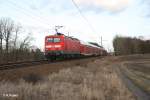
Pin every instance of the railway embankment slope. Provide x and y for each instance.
(86, 79)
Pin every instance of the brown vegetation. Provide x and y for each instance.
(128, 45)
(95, 80)
(13, 46)
(139, 73)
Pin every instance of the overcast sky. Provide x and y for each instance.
(108, 18)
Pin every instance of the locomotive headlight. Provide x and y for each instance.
(57, 46)
(48, 46)
(53, 46)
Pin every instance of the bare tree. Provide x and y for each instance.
(26, 42)
(128, 45)
(24, 49)
(9, 35)
(17, 30)
(8, 27)
(8, 30)
(1, 35)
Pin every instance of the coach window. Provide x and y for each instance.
(56, 39)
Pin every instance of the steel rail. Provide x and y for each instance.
(21, 64)
(16, 65)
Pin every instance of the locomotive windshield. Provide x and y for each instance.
(49, 39)
(56, 39)
(53, 40)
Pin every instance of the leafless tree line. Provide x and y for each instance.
(11, 48)
(128, 45)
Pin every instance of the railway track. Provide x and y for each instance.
(21, 64)
(9, 66)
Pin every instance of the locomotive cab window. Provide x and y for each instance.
(53, 40)
(50, 40)
(56, 39)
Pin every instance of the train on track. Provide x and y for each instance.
(61, 46)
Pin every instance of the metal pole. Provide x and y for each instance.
(101, 41)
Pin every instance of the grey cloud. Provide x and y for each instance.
(104, 5)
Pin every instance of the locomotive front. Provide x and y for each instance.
(54, 46)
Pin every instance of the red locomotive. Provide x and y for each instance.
(59, 45)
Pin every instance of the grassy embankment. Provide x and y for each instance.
(139, 73)
(96, 80)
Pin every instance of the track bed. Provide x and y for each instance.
(41, 70)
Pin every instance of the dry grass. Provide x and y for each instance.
(139, 73)
(96, 81)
